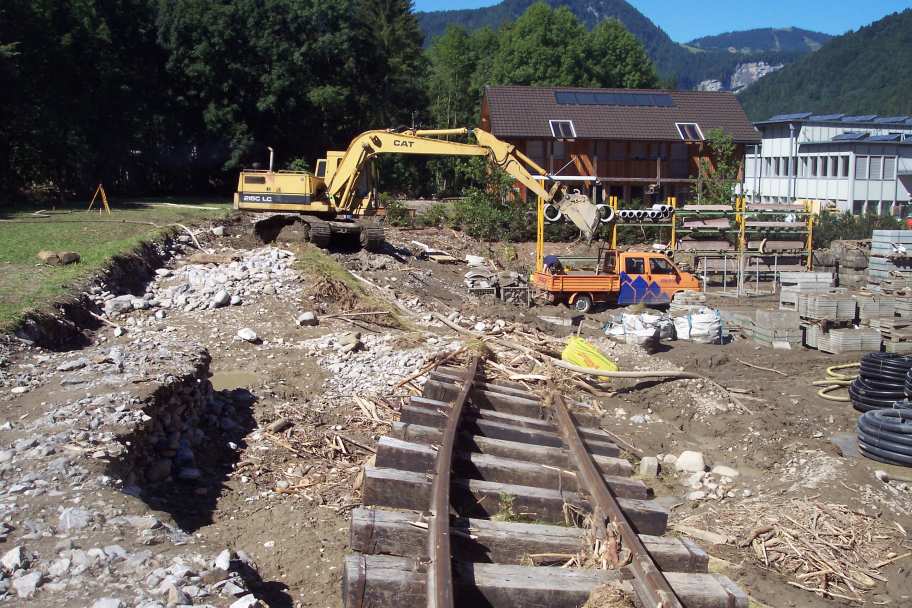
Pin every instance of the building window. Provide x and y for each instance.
(857, 207)
(861, 167)
(776, 166)
(844, 166)
(794, 168)
(889, 167)
(804, 167)
(813, 166)
(689, 131)
(769, 166)
(874, 170)
(562, 129)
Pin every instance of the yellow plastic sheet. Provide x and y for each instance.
(579, 352)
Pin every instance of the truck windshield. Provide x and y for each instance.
(661, 266)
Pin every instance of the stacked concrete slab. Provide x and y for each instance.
(891, 257)
(777, 329)
(792, 284)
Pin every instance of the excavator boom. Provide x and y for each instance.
(341, 185)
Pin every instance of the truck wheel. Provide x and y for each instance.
(582, 303)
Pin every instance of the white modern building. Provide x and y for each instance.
(853, 163)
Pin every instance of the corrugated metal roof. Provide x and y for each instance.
(526, 112)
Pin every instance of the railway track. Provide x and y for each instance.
(473, 498)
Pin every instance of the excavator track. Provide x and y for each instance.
(320, 233)
(372, 237)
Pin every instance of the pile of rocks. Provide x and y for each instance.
(703, 483)
(370, 364)
(203, 284)
(142, 578)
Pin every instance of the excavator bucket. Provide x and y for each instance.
(579, 209)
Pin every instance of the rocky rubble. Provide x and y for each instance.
(119, 423)
(373, 367)
(208, 285)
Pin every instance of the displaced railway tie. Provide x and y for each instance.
(438, 527)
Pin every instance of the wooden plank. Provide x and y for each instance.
(554, 456)
(442, 375)
(408, 456)
(500, 399)
(455, 371)
(369, 581)
(497, 429)
(408, 490)
(378, 531)
(443, 408)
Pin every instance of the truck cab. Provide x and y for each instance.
(629, 277)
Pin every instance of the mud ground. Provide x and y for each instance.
(782, 446)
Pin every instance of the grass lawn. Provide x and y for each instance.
(25, 283)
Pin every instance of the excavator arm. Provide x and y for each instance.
(341, 185)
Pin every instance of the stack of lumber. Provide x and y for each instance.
(833, 305)
(795, 283)
(886, 263)
(849, 340)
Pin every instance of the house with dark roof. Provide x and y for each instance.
(629, 143)
(856, 163)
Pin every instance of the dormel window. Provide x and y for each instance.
(562, 129)
(689, 131)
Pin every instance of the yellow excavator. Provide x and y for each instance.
(339, 200)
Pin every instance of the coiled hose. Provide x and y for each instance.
(886, 435)
(881, 381)
(834, 381)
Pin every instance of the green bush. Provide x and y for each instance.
(435, 216)
(829, 227)
(397, 214)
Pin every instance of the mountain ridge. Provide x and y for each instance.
(687, 65)
(865, 71)
(763, 39)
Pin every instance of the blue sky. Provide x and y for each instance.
(688, 20)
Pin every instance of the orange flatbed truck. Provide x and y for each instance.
(629, 277)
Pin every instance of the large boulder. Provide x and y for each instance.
(58, 258)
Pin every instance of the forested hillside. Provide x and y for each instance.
(677, 65)
(764, 39)
(868, 71)
(154, 96)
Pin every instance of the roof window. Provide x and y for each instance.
(562, 129)
(689, 131)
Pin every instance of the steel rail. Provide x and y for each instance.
(440, 569)
(651, 586)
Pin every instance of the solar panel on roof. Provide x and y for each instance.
(850, 136)
(585, 98)
(795, 116)
(565, 97)
(860, 118)
(891, 120)
(822, 117)
(888, 137)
